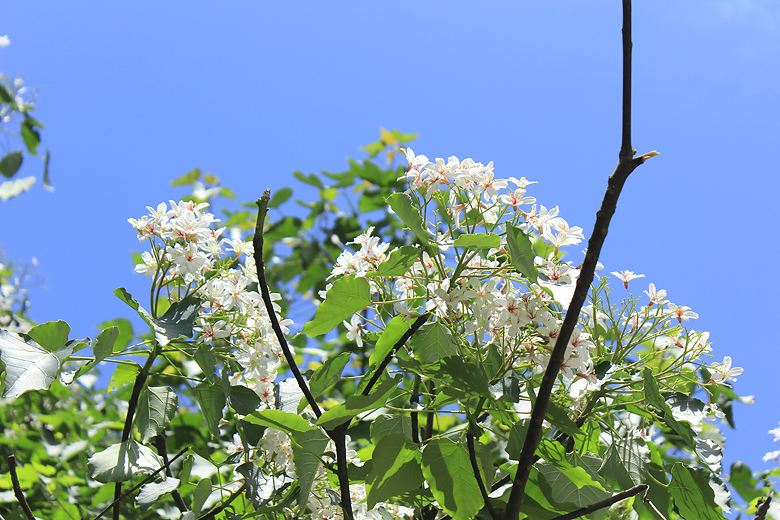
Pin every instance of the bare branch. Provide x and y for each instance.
(419, 322)
(18, 493)
(257, 243)
(626, 164)
(762, 508)
(478, 476)
(604, 503)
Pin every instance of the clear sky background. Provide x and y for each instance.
(134, 94)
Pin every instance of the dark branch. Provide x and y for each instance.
(762, 508)
(162, 450)
(478, 475)
(604, 503)
(145, 481)
(132, 404)
(419, 322)
(18, 489)
(257, 243)
(626, 164)
(217, 510)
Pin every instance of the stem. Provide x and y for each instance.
(604, 503)
(162, 450)
(18, 493)
(627, 163)
(478, 476)
(140, 381)
(257, 243)
(428, 433)
(419, 322)
(339, 436)
(762, 508)
(214, 512)
(415, 399)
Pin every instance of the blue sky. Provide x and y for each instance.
(136, 94)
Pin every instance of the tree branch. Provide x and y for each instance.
(257, 243)
(132, 404)
(604, 503)
(162, 450)
(626, 164)
(762, 508)
(217, 510)
(18, 493)
(419, 322)
(478, 476)
(148, 479)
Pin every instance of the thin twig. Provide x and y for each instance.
(339, 436)
(18, 489)
(257, 243)
(145, 481)
(478, 476)
(419, 322)
(626, 164)
(762, 508)
(162, 450)
(604, 503)
(140, 381)
(217, 510)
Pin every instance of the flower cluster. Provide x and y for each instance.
(188, 258)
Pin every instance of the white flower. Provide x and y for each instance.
(354, 330)
(627, 276)
(723, 372)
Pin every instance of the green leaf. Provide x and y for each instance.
(51, 335)
(206, 360)
(478, 241)
(123, 374)
(243, 400)
(123, 461)
(347, 296)
(459, 373)
(654, 397)
(580, 477)
(307, 447)
(199, 496)
(356, 404)
(151, 492)
(447, 469)
(561, 420)
(394, 331)
(406, 210)
(212, 400)
(126, 297)
(6, 96)
(309, 179)
(743, 482)
(387, 424)
(396, 469)
(287, 422)
(125, 332)
(373, 148)
(279, 197)
(102, 348)
(178, 320)
(156, 408)
(433, 342)
(30, 135)
(625, 463)
(517, 438)
(693, 495)
(403, 138)
(10, 163)
(188, 178)
(399, 262)
(29, 366)
(327, 374)
(521, 253)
